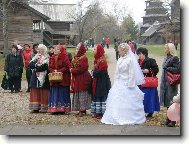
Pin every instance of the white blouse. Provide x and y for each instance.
(125, 71)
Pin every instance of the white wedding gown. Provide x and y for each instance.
(124, 104)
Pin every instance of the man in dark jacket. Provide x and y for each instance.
(14, 68)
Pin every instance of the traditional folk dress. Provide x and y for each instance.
(39, 83)
(125, 100)
(151, 98)
(101, 83)
(59, 99)
(80, 81)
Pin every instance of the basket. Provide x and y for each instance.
(55, 77)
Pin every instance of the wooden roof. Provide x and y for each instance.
(56, 12)
(32, 10)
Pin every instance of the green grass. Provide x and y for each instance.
(157, 49)
(2, 63)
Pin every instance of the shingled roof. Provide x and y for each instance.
(33, 10)
(151, 30)
(56, 12)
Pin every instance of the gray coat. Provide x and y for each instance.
(167, 92)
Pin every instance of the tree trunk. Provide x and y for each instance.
(5, 27)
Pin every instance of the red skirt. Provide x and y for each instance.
(39, 99)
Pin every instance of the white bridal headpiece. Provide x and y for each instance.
(139, 77)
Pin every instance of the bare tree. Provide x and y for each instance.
(90, 19)
(173, 12)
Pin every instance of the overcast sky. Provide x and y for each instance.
(135, 7)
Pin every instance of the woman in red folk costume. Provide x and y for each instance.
(80, 81)
(59, 99)
(101, 83)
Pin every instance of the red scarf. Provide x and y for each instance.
(81, 51)
(140, 62)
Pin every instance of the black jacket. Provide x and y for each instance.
(151, 65)
(34, 82)
(14, 65)
(103, 83)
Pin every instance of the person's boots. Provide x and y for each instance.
(167, 121)
(171, 124)
(149, 115)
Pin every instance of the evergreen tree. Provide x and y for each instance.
(129, 28)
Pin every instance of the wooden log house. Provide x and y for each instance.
(27, 24)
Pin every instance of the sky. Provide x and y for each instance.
(135, 7)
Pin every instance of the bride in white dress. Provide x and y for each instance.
(124, 104)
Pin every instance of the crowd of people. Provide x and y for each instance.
(124, 102)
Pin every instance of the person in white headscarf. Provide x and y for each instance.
(124, 104)
(39, 82)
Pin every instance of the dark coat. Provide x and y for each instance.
(14, 65)
(34, 82)
(103, 83)
(151, 65)
(167, 91)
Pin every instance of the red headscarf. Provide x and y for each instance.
(100, 52)
(81, 51)
(62, 49)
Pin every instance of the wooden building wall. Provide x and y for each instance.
(62, 26)
(20, 25)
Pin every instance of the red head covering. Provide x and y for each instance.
(81, 50)
(100, 52)
(62, 49)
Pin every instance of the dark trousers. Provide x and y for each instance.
(20, 79)
(14, 83)
(28, 76)
(107, 45)
(117, 55)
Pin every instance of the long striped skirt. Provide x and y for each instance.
(81, 101)
(39, 99)
(59, 99)
(98, 105)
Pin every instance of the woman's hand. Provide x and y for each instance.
(145, 71)
(55, 70)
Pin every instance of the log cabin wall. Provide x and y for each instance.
(20, 26)
(62, 26)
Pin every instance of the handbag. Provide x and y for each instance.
(5, 83)
(150, 81)
(173, 79)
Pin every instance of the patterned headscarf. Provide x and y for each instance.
(81, 51)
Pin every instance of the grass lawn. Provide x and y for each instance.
(72, 50)
(89, 53)
(157, 49)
